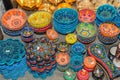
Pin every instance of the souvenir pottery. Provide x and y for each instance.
(29, 4)
(106, 12)
(13, 22)
(77, 49)
(83, 75)
(86, 15)
(55, 2)
(98, 51)
(27, 35)
(98, 74)
(1, 35)
(76, 63)
(69, 75)
(63, 46)
(85, 4)
(62, 60)
(86, 33)
(112, 52)
(12, 59)
(41, 58)
(64, 5)
(70, 1)
(108, 33)
(71, 38)
(65, 20)
(89, 63)
(52, 34)
(47, 7)
(42, 23)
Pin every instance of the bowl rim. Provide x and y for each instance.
(63, 9)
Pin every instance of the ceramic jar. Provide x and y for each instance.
(13, 21)
(65, 20)
(83, 75)
(86, 33)
(29, 4)
(108, 33)
(89, 63)
(69, 75)
(62, 60)
(85, 4)
(27, 34)
(42, 23)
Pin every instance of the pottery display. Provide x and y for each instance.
(85, 4)
(86, 15)
(13, 21)
(86, 33)
(12, 59)
(62, 60)
(41, 57)
(29, 4)
(65, 20)
(42, 23)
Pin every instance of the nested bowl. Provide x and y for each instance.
(106, 12)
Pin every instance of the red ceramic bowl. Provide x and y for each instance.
(14, 19)
(86, 15)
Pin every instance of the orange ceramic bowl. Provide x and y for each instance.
(14, 19)
(62, 58)
(89, 62)
(109, 29)
(64, 5)
(52, 34)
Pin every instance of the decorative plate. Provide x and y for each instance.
(14, 19)
(87, 15)
(86, 30)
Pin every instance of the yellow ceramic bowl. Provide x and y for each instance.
(71, 38)
(40, 19)
(64, 5)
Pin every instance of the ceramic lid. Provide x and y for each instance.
(89, 62)
(85, 30)
(83, 74)
(69, 74)
(87, 15)
(62, 58)
(39, 19)
(14, 19)
(109, 29)
(71, 38)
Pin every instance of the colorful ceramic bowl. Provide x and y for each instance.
(14, 19)
(83, 75)
(86, 32)
(63, 46)
(106, 12)
(40, 19)
(109, 30)
(71, 38)
(62, 59)
(64, 5)
(69, 75)
(87, 15)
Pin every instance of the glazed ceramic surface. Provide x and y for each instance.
(14, 19)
